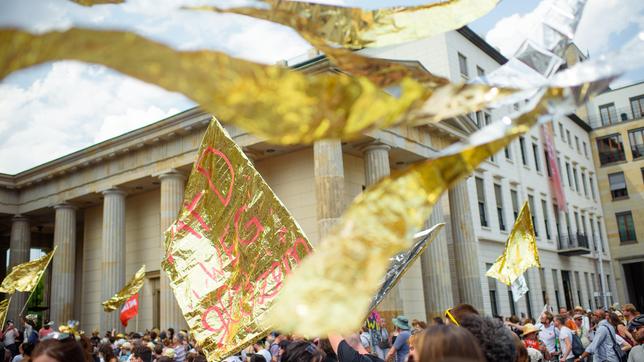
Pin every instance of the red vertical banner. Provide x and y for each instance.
(130, 309)
(555, 177)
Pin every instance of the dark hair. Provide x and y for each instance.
(256, 357)
(302, 351)
(107, 351)
(447, 341)
(460, 311)
(27, 348)
(548, 316)
(494, 338)
(614, 319)
(158, 349)
(142, 352)
(438, 320)
(62, 351)
(561, 319)
(522, 351)
(165, 359)
(325, 346)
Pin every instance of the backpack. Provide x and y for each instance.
(577, 346)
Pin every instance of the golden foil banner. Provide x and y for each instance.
(332, 289)
(356, 28)
(520, 251)
(132, 287)
(4, 309)
(24, 277)
(230, 249)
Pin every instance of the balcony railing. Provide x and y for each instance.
(606, 157)
(573, 244)
(624, 114)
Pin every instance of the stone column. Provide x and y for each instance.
(18, 254)
(466, 246)
(172, 187)
(64, 265)
(329, 184)
(3, 263)
(437, 284)
(113, 253)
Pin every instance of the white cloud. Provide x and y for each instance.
(74, 106)
(601, 20)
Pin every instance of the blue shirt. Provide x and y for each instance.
(602, 347)
(401, 346)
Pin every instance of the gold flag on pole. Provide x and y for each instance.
(520, 251)
(131, 288)
(24, 277)
(4, 308)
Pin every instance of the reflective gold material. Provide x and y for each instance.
(132, 287)
(520, 251)
(4, 308)
(230, 248)
(332, 289)
(357, 28)
(24, 277)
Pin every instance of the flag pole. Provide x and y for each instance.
(39, 279)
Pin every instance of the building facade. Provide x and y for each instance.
(106, 206)
(617, 118)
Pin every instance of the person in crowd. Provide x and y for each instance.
(531, 341)
(351, 349)
(582, 330)
(618, 320)
(45, 330)
(30, 331)
(418, 325)
(548, 334)
(522, 351)
(454, 315)
(275, 346)
(446, 342)
(400, 347)
(325, 345)
(303, 351)
(157, 352)
(637, 325)
(179, 347)
(496, 341)
(53, 350)
(25, 349)
(579, 310)
(604, 345)
(106, 353)
(256, 357)
(10, 338)
(365, 338)
(565, 338)
(630, 313)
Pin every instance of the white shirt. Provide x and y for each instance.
(548, 336)
(565, 333)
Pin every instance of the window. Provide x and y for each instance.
(592, 187)
(574, 174)
(499, 205)
(583, 224)
(513, 306)
(546, 221)
(608, 114)
(626, 226)
(602, 242)
(522, 146)
(479, 71)
(556, 280)
(508, 155)
(535, 152)
(569, 139)
(585, 149)
(610, 149)
(569, 174)
(636, 139)
(561, 132)
(618, 188)
(515, 203)
(491, 285)
(577, 145)
(577, 222)
(480, 192)
(533, 212)
(555, 210)
(545, 154)
(462, 65)
(542, 279)
(592, 233)
(637, 106)
(583, 183)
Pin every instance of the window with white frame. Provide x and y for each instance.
(480, 193)
(546, 220)
(462, 66)
(499, 205)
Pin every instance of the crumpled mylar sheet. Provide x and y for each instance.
(132, 287)
(4, 308)
(230, 249)
(276, 103)
(357, 28)
(400, 263)
(520, 251)
(24, 277)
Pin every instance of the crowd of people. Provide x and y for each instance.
(463, 334)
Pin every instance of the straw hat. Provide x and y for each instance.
(529, 328)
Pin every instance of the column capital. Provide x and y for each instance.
(19, 217)
(171, 174)
(114, 191)
(375, 145)
(65, 205)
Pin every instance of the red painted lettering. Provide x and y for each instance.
(225, 199)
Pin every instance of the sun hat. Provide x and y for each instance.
(50, 324)
(168, 352)
(529, 328)
(401, 322)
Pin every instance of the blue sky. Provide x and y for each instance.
(54, 109)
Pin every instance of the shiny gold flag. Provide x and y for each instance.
(24, 277)
(276, 103)
(4, 308)
(520, 251)
(132, 287)
(230, 249)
